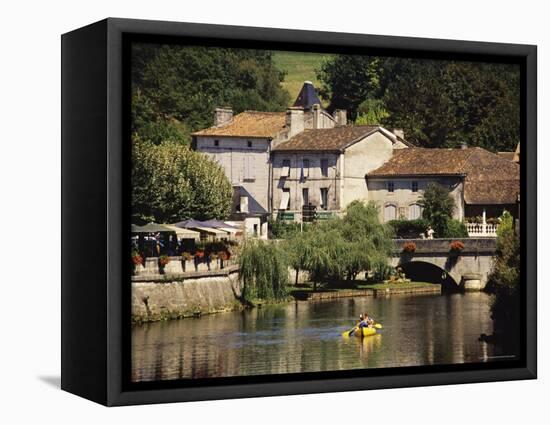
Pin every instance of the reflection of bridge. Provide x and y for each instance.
(433, 261)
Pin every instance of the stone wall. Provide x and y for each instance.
(200, 293)
(177, 266)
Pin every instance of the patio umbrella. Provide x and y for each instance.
(218, 224)
(189, 224)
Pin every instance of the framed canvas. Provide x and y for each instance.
(251, 212)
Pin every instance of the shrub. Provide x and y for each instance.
(409, 229)
(409, 248)
(280, 229)
(455, 229)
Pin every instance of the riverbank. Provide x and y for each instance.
(165, 297)
(306, 293)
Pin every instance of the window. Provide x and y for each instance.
(255, 230)
(305, 168)
(243, 205)
(391, 187)
(305, 196)
(249, 143)
(324, 198)
(285, 200)
(216, 143)
(415, 212)
(414, 186)
(285, 172)
(249, 171)
(390, 212)
(324, 167)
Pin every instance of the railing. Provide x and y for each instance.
(482, 230)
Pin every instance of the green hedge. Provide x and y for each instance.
(409, 229)
(455, 229)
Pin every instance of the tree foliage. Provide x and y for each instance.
(437, 208)
(438, 103)
(170, 183)
(263, 270)
(175, 88)
(343, 247)
(504, 282)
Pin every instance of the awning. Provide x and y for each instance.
(183, 233)
(151, 228)
(285, 200)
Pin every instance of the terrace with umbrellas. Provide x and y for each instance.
(184, 247)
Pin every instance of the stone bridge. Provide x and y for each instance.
(433, 261)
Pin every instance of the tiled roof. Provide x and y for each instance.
(507, 155)
(326, 139)
(249, 124)
(489, 178)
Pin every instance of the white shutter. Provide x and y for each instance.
(244, 204)
(284, 200)
(249, 168)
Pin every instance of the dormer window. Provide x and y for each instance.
(216, 143)
(249, 143)
(391, 187)
(414, 186)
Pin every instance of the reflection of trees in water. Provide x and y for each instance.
(306, 337)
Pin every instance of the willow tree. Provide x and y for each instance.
(170, 183)
(263, 270)
(343, 247)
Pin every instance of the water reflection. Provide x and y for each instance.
(306, 337)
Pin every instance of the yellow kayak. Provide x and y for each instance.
(362, 332)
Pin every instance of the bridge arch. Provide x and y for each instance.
(425, 271)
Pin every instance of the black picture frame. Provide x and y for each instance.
(95, 202)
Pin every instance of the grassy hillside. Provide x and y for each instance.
(299, 67)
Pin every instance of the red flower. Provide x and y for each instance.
(137, 259)
(163, 260)
(456, 246)
(409, 247)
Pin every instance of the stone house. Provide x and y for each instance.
(242, 145)
(483, 184)
(326, 168)
(278, 162)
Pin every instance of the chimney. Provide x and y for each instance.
(340, 116)
(316, 116)
(294, 121)
(399, 133)
(222, 116)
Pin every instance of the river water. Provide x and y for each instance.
(306, 337)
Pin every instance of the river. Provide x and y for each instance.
(306, 337)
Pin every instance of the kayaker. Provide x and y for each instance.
(367, 321)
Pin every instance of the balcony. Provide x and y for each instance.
(481, 230)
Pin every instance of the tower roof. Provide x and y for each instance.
(307, 96)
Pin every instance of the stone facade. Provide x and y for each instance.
(402, 201)
(341, 174)
(246, 165)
